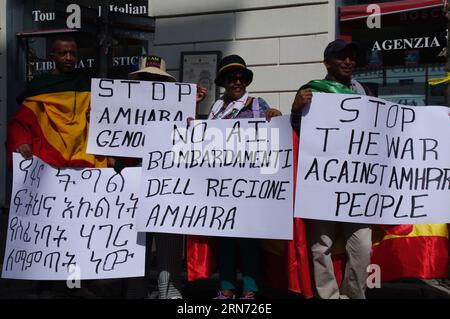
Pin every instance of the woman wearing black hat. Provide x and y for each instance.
(234, 76)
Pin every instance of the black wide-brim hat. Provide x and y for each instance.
(229, 63)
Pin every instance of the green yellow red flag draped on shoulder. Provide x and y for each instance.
(52, 119)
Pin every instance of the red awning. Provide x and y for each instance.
(360, 11)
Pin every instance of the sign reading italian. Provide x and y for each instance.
(218, 178)
(120, 110)
(366, 160)
(68, 224)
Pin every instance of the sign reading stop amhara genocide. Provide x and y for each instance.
(120, 110)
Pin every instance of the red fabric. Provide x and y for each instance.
(423, 257)
(201, 257)
(360, 11)
(24, 129)
(299, 275)
(397, 229)
(271, 274)
(339, 261)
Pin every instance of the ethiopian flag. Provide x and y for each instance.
(416, 251)
(52, 119)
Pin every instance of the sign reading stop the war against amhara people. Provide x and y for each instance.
(69, 224)
(120, 110)
(367, 160)
(218, 178)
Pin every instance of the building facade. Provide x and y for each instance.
(282, 41)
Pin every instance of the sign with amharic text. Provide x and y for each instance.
(120, 110)
(72, 224)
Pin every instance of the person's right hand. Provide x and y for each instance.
(25, 151)
(111, 161)
(303, 97)
(189, 120)
(201, 94)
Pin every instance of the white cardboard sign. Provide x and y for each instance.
(72, 223)
(367, 160)
(120, 110)
(230, 178)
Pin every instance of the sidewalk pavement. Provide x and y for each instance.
(139, 288)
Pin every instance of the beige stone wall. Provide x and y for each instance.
(282, 41)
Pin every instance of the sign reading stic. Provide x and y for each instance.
(218, 178)
(367, 160)
(72, 223)
(120, 109)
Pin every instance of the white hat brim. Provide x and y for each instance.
(150, 70)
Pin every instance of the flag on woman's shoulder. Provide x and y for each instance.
(52, 119)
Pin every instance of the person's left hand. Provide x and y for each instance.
(201, 93)
(272, 113)
(88, 114)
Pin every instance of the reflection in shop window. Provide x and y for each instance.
(405, 85)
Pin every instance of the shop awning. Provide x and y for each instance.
(360, 11)
(45, 32)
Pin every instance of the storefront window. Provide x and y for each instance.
(43, 19)
(125, 55)
(400, 51)
(404, 85)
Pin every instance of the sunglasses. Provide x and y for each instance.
(345, 54)
(233, 78)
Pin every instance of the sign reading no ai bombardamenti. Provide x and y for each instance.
(218, 178)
